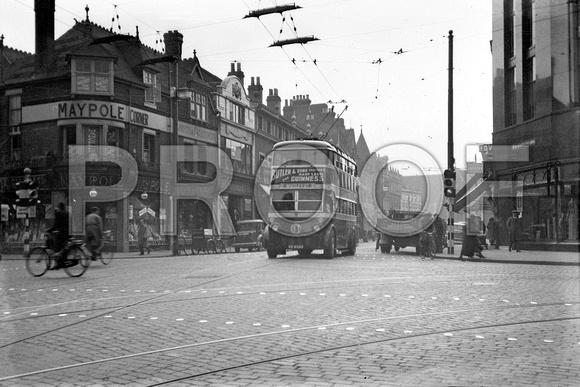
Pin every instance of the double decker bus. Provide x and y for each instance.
(312, 199)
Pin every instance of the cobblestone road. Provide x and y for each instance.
(245, 320)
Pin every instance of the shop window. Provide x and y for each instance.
(199, 106)
(148, 147)
(92, 76)
(240, 154)
(113, 136)
(92, 137)
(153, 90)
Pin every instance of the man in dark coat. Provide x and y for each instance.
(514, 226)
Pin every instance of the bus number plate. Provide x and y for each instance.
(296, 247)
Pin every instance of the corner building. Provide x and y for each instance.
(92, 87)
(535, 155)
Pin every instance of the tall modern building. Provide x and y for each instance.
(535, 155)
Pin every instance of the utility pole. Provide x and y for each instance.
(450, 158)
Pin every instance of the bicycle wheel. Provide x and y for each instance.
(432, 249)
(37, 262)
(183, 246)
(195, 246)
(211, 247)
(77, 262)
(107, 253)
(220, 246)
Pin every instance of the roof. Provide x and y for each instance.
(127, 51)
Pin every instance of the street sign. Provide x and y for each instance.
(4, 212)
(21, 212)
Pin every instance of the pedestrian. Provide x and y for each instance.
(493, 232)
(143, 237)
(514, 226)
(60, 229)
(439, 236)
(94, 239)
(471, 245)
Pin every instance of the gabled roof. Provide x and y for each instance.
(362, 150)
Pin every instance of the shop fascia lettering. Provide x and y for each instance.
(83, 109)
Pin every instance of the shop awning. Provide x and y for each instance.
(470, 193)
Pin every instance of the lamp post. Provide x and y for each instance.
(450, 157)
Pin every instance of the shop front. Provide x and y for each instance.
(546, 197)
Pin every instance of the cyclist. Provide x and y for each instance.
(94, 240)
(61, 233)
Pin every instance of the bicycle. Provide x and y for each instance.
(427, 245)
(182, 244)
(107, 252)
(43, 258)
(215, 244)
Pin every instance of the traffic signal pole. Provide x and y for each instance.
(450, 158)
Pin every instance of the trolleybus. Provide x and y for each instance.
(312, 199)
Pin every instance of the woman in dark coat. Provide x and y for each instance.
(471, 245)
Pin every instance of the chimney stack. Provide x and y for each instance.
(255, 91)
(273, 101)
(173, 43)
(44, 24)
(238, 73)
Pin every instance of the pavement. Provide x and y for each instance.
(492, 255)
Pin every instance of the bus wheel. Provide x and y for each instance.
(385, 249)
(351, 250)
(330, 246)
(272, 253)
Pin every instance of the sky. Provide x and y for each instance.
(384, 61)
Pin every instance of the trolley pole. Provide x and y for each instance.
(450, 158)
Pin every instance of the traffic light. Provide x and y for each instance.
(27, 192)
(449, 183)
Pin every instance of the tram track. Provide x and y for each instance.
(299, 330)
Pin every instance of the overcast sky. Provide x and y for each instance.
(394, 97)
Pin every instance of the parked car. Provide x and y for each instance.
(249, 235)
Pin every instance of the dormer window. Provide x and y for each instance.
(92, 76)
(153, 91)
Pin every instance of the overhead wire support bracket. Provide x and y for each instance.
(268, 11)
(299, 40)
